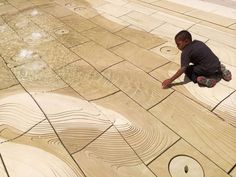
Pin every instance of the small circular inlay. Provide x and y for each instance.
(184, 166)
(169, 50)
(62, 31)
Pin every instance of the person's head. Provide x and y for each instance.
(182, 39)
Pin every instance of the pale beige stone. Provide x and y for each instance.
(173, 6)
(225, 53)
(57, 10)
(142, 58)
(142, 21)
(7, 9)
(134, 6)
(100, 58)
(110, 23)
(44, 148)
(76, 121)
(137, 84)
(7, 34)
(6, 77)
(103, 37)
(182, 149)
(37, 76)
(68, 36)
(208, 97)
(214, 18)
(113, 10)
(19, 113)
(214, 34)
(201, 128)
(46, 21)
(2, 170)
(55, 54)
(233, 26)
(227, 109)
(141, 38)
(22, 5)
(111, 155)
(233, 172)
(172, 31)
(138, 127)
(169, 51)
(174, 20)
(86, 80)
(86, 12)
(78, 23)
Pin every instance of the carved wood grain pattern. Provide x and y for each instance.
(211, 136)
(145, 134)
(39, 153)
(109, 155)
(137, 84)
(76, 121)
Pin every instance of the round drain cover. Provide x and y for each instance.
(184, 166)
(169, 50)
(62, 31)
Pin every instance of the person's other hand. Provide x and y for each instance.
(166, 83)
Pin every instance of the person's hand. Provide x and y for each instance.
(166, 83)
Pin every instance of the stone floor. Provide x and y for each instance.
(81, 94)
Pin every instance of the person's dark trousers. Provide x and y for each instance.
(191, 74)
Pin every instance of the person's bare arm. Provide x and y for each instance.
(166, 83)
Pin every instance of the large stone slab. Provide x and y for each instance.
(86, 80)
(109, 22)
(227, 109)
(110, 155)
(144, 133)
(68, 36)
(209, 98)
(201, 128)
(141, 38)
(78, 23)
(41, 146)
(55, 54)
(37, 76)
(6, 76)
(142, 58)
(18, 113)
(182, 150)
(103, 37)
(137, 84)
(100, 58)
(140, 20)
(76, 121)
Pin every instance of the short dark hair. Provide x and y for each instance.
(183, 35)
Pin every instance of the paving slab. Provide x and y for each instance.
(141, 38)
(77, 122)
(104, 162)
(18, 113)
(136, 84)
(142, 58)
(86, 80)
(182, 159)
(200, 128)
(103, 37)
(43, 147)
(137, 126)
(6, 76)
(100, 58)
(209, 98)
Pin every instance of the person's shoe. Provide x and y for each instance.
(226, 74)
(206, 81)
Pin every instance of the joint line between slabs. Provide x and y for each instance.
(4, 165)
(50, 124)
(93, 140)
